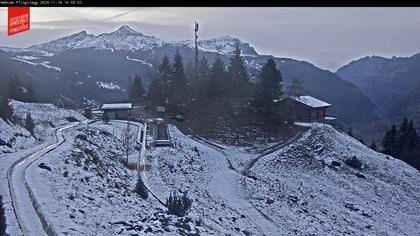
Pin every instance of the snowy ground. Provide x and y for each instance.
(307, 188)
(303, 186)
(16, 143)
(89, 190)
(46, 116)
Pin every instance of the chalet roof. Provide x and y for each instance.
(117, 106)
(311, 101)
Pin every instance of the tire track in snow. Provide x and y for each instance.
(223, 186)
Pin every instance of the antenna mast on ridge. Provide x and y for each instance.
(196, 49)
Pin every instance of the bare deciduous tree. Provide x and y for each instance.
(128, 137)
(295, 88)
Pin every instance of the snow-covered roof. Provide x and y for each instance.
(115, 106)
(330, 118)
(311, 101)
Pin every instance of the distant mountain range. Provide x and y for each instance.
(83, 68)
(393, 84)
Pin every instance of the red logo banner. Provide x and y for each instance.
(18, 20)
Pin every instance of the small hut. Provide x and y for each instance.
(121, 111)
(303, 108)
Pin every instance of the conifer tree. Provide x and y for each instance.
(390, 142)
(269, 86)
(15, 89)
(141, 189)
(161, 84)
(404, 134)
(403, 144)
(190, 72)
(135, 88)
(6, 110)
(130, 88)
(203, 71)
(179, 91)
(238, 74)
(216, 75)
(413, 138)
(29, 124)
(373, 146)
(350, 131)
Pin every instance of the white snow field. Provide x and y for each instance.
(17, 143)
(306, 185)
(296, 190)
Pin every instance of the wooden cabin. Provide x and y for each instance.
(302, 108)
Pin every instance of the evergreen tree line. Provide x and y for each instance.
(172, 86)
(403, 143)
(6, 110)
(135, 88)
(17, 91)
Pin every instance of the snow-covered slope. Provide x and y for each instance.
(89, 190)
(46, 116)
(65, 43)
(307, 188)
(16, 143)
(304, 188)
(13, 137)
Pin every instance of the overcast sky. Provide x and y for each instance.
(327, 37)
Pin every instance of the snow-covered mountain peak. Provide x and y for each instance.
(126, 38)
(125, 29)
(223, 45)
(65, 43)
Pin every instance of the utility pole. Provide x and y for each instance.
(196, 49)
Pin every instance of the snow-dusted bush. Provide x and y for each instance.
(141, 189)
(105, 118)
(354, 163)
(178, 205)
(29, 124)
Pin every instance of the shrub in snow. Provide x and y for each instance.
(2, 218)
(335, 163)
(354, 163)
(29, 124)
(71, 119)
(45, 167)
(82, 137)
(141, 189)
(6, 110)
(178, 205)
